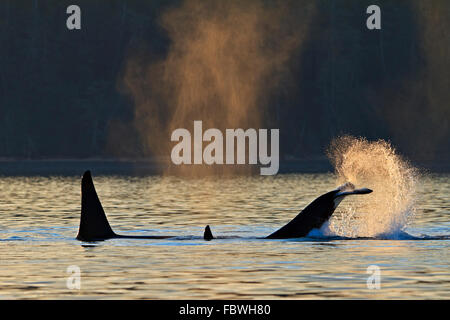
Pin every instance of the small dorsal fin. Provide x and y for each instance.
(207, 235)
(93, 223)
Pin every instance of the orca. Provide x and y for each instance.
(94, 225)
(313, 216)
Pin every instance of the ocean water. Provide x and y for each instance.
(39, 218)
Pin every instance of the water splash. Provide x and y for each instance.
(375, 165)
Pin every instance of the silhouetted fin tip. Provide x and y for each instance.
(207, 235)
(87, 175)
(354, 191)
(93, 222)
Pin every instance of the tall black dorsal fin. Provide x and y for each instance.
(93, 223)
(207, 235)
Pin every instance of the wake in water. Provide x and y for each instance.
(376, 165)
(325, 233)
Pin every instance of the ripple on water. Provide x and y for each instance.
(39, 223)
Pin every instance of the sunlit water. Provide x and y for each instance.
(40, 216)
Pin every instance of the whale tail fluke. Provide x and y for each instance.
(316, 213)
(346, 190)
(349, 188)
(207, 235)
(93, 223)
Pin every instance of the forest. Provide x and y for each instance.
(138, 69)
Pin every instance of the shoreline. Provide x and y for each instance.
(137, 167)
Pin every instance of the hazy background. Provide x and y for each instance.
(137, 70)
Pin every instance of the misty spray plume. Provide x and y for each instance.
(375, 165)
(226, 58)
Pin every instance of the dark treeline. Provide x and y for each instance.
(61, 91)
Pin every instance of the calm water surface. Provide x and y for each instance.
(40, 216)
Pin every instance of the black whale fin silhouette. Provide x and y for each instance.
(93, 222)
(312, 217)
(316, 213)
(94, 225)
(207, 235)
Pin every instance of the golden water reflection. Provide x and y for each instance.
(39, 220)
